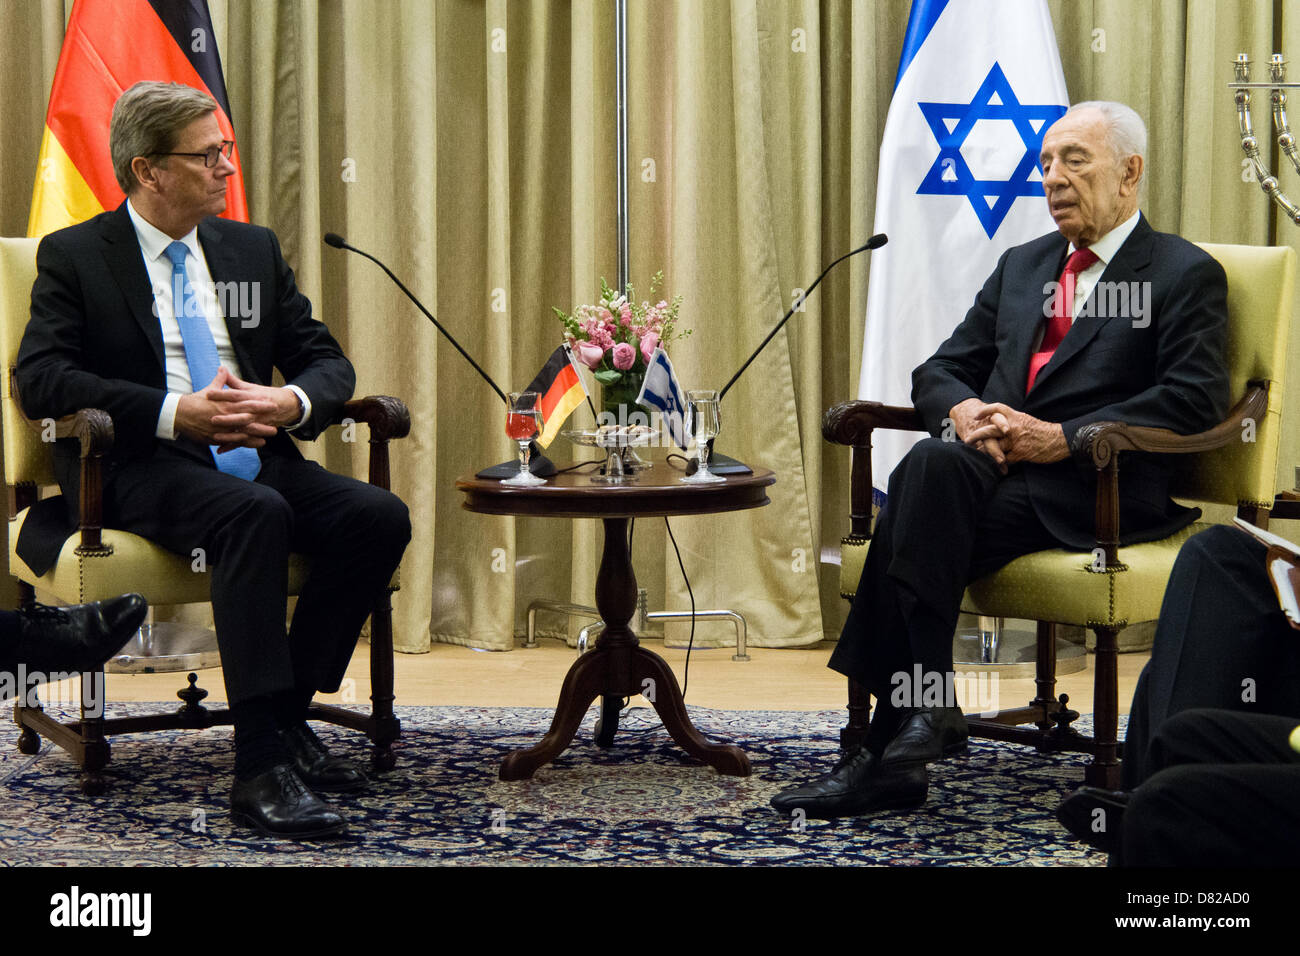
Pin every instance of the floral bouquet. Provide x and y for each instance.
(617, 337)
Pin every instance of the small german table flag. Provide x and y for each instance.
(562, 391)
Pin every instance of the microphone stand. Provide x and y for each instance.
(539, 464)
(724, 463)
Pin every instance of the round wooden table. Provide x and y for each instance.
(619, 667)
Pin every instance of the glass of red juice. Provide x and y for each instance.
(523, 424)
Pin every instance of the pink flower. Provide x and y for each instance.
(624, 356)
(649, 342)
(589, 355)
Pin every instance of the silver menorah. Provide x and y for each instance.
(1277, 87)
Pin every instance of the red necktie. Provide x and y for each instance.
(1062, 310)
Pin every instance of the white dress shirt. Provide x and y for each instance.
(153, 247)
(1104, 249)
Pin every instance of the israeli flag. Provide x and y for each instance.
(959, 183)
(661, 391)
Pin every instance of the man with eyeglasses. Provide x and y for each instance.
(126, 317)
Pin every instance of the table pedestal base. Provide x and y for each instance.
(619, 667)
(595, 674)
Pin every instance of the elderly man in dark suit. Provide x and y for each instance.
(126, 316)
(1039, 355)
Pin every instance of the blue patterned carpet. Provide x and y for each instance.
(641, 802)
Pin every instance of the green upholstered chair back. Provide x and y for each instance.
(27, 458)
(1261, 284)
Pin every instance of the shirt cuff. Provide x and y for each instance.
(167, 417)
(306, 407)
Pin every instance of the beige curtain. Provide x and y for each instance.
(470, 144)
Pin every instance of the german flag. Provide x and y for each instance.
(562, 391)
(109, 46)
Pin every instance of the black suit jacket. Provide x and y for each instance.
(94, 341)
(1164, 367)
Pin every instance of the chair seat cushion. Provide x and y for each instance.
(1032, 587)
(133, 564)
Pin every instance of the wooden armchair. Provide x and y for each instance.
(100, 563)
(1234, 463)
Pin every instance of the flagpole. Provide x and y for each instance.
(620, 95)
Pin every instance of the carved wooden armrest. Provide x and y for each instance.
(851, 423)
(1100, 443)
(93, 429)
(388, 418)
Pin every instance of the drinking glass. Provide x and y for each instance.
(523, 424)
(703, 419)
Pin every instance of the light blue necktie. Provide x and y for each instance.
(201, 354)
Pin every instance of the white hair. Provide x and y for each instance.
(1126, 134)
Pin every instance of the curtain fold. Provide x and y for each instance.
(470, 145)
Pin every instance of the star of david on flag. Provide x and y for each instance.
(979, 83)
(994, 100)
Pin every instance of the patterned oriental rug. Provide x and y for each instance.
(641, 802)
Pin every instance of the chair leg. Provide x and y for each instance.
(95, 750)
(1045, 674)
(1103, 771)
(854, 732)
(386, 728)
(29, 741)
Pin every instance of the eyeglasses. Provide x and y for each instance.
(209, 156)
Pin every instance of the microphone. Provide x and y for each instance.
(725, 462)
(338, 242)
(875, 242)
(539, 464)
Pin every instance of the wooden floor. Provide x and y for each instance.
(794, 679)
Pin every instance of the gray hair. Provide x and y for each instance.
(1126, 134)
(147, 119)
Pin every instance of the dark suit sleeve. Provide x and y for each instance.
(1191, 326)
(961, 367)
(306, 354)
(52, 365)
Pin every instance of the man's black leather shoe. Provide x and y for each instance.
(1095, 816)
(927, 734)
(277, 803)
(318, 768)
(860, 784)
(77, 638)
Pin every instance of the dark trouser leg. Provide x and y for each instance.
(242, 532)
(920, 553)
(1222, 793)
(1222, 737)
(1220, 642)
(354, 534)
(951, 516)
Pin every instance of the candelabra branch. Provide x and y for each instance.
(1277, 87)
